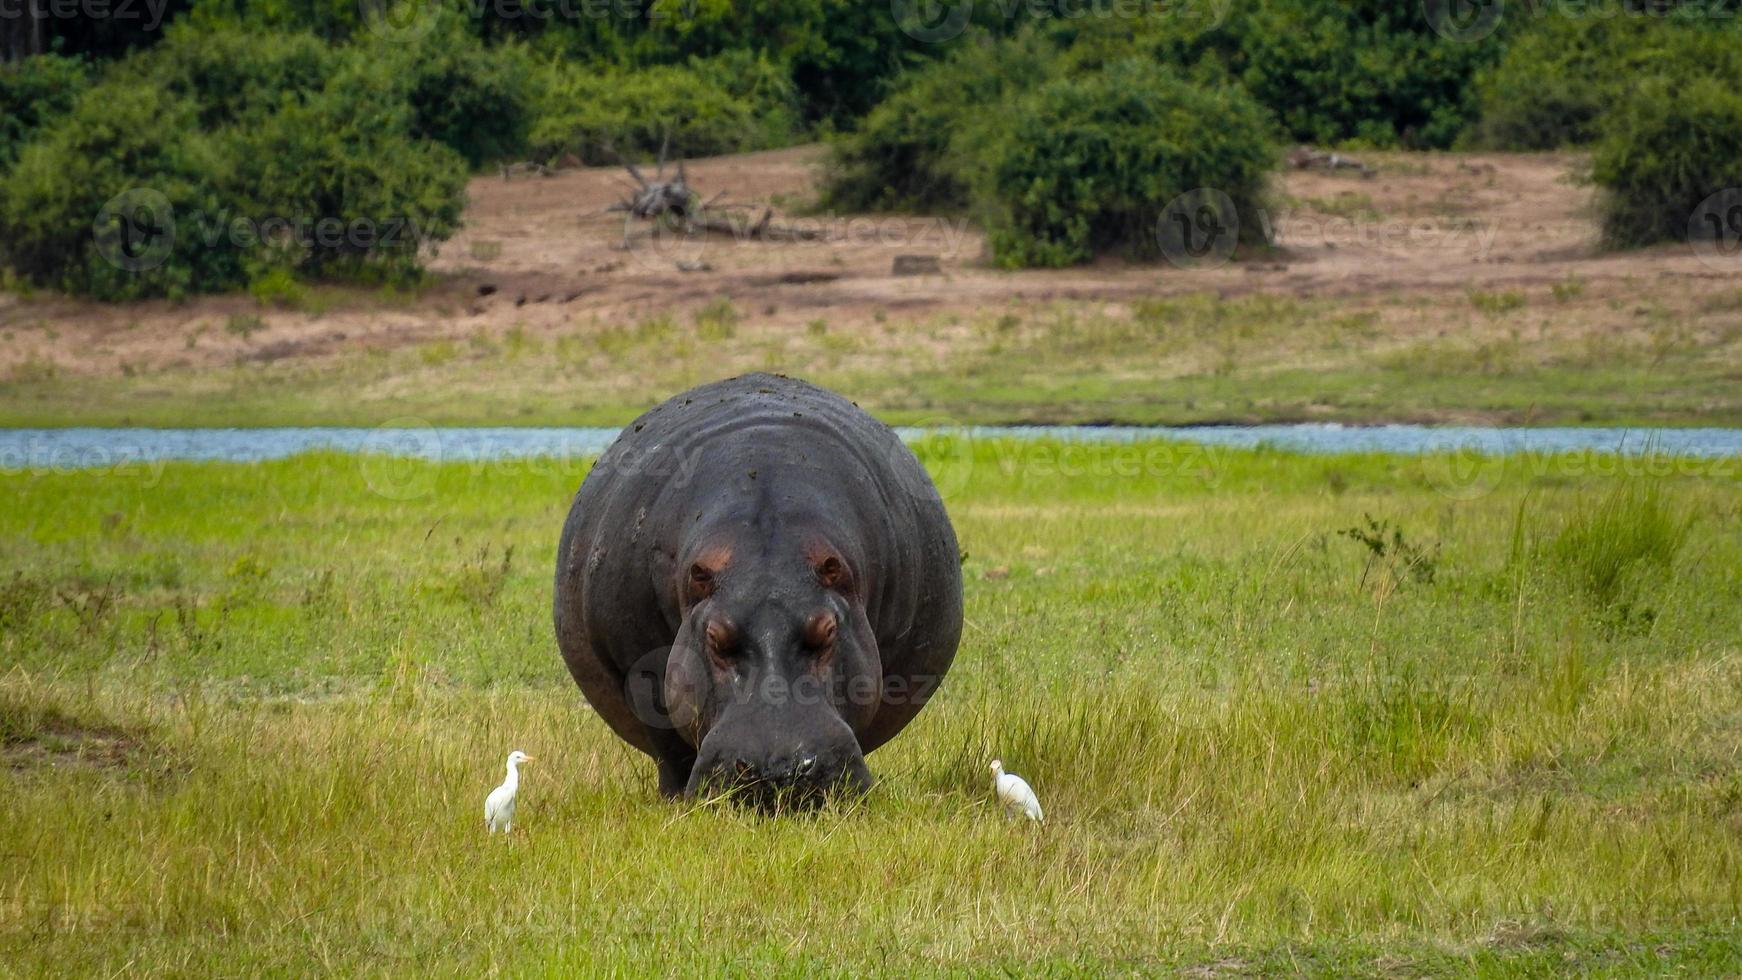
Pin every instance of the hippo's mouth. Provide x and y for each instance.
(805, 784)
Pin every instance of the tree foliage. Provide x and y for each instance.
(197, 185)
(724, 105)
(1088, 165)
(920, 148)
(33, 93)
(118, 139)
(1671, 146)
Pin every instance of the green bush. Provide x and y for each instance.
(1668, 147)
(360, 194)
(33, 93)
(232, 75)
(479, 101)
(1374, 71)
(703, 108)
(118, 138)
(833, 54)
(1329, 71)
(1088, 165)
(918, 150)
(1559, 77)
(331, 183)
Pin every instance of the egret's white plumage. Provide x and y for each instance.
(1014, 792)
(499, 805)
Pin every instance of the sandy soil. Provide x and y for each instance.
(542, 253)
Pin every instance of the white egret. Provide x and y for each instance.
(499, 805)
(1014, 792)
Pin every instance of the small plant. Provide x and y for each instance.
(619, 340)
(1605, 550)
(320, 595)
(481, 580)
(1347, 204)
(438, 353)
(91, 605)
(33, 368)
(1497, 304)
(244, 325)
(21, 598)
(1569, 289)
(10, 282)
(278, 287)
(1388, 547)
(244, 581)
(717, 320)
(517, 341)
(486, 251)
(481, 343)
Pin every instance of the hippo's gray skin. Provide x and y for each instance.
(757, 585)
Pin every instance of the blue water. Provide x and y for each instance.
(82, 448)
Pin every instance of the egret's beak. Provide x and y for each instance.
(527, 758)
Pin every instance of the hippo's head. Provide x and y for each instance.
(774, 671)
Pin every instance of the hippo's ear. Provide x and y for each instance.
(833, 574)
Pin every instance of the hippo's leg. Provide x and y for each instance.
(674, 774)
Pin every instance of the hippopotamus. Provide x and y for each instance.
(757, 585)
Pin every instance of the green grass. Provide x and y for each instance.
(249, 714)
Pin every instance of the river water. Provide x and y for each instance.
(91, 447)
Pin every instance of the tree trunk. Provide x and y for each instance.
(21, 31)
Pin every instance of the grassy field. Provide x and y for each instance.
(1286, 714)
(1616, 353)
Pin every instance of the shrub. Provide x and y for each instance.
(1088, 165)
(1559, 77)
(1371, 70)
(359, 195)
(126, 198)
(118, 138)
(232, 75)
(916, 151)
(33, 93)
(478, 101)
(702, 108)
(1329, 71)
(275, 286)
(1667, 148)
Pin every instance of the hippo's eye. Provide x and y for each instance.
(819, 631)
(701, 584)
